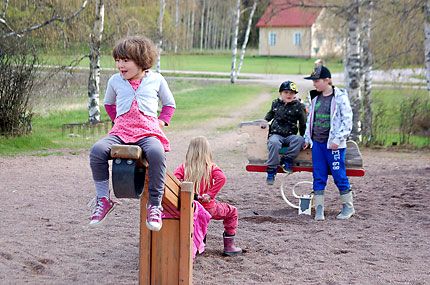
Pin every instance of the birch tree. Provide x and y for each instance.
(191, 39)
(176, 25)
(427, 42)
(245, 41)
(160, 33)
(352, 67)
(94, 77)
(5, 5)
(367, 72)
(202, 23)
(234, 42)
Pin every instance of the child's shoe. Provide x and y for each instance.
(229, 248)
(287, 165)
(271, 173)
(347, 206)
(153, 218)
(319, 205)
(103, 207)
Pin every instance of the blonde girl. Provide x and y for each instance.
(208, 179)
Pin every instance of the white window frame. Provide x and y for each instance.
(297, 39)
(272, 39)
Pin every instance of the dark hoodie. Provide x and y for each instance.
(285, 117)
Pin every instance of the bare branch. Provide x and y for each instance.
(4, 23)
(54, 18)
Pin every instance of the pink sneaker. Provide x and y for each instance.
(153, 218)
(102, 208)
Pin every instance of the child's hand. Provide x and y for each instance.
(205, 198)
(161, 123)
(306, 146)
(334, 146)
(263, 125)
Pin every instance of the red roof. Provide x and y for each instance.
(282, 13)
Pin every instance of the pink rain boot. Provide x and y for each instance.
(229, 248)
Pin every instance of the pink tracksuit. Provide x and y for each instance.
(218, 210)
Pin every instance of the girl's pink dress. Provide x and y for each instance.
(135, 125)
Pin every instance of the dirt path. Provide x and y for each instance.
(45, 237)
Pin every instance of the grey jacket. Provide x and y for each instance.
(340, 118)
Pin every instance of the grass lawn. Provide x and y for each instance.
(214, 63)
(196, 103)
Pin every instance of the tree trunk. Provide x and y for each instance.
(427, 42)
(367, 74)
(234, 43)
(5, 5)
(352, 67)
(222, 35)
(187, 28)
(160, 33)
(202, 24)
(193, 15)
(245, 41)
(94, 77)
(207, 21)
(176, 25)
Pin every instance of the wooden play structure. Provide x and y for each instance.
(165, 257)
(256, 150)
(257, 153)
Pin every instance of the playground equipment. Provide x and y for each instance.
(165, 257)
(256, 150)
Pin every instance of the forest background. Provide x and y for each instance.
(200, 30)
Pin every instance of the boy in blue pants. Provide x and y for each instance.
(284, 114)
(328, 126)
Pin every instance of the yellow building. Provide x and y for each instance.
(286, 30)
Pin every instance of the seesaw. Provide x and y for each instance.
(165, 257)
(256, 151)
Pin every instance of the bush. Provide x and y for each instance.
(18, 67)
(401, 118)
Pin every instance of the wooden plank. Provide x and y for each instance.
(262, 168)
(165, 254)
(257, 153)
(129, 152)
(171, 190)
(186, 234)
(145, 242)
(256, 141)
(173, 184)
(126, 151)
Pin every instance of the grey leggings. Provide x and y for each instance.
(295, 144)
(154, 154)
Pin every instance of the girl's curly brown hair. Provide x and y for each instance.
(140, 49)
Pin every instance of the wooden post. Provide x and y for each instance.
(165, 257)
(186, 234)
(145, 241)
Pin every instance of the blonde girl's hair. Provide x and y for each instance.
(198, 163)
(140, 49)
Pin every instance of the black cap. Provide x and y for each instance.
(319, 73)
(288, 85)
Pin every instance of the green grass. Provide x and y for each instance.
(196, 104)
(203, 104)
(212, 63)
(388, 110)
